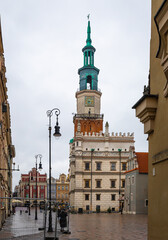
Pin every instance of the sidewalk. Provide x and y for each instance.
(17, 226)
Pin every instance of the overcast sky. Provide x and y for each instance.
(43, 41)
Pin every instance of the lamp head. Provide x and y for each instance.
(57, 131)
(40, 166)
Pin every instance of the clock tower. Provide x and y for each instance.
(88, 118)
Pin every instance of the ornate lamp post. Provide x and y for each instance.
(40, 167)
(56, 134)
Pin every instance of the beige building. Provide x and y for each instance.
(152, 110)
(7, 150)
(59, 188)
(97, 159)
(62, 188)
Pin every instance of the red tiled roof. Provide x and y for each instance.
(131, 170)
(142, 159)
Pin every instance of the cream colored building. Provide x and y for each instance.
(97, 159)
(152, 110)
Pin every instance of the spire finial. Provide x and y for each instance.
(88, 41)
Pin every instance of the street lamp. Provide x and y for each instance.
(119, 191)
(92, 150)
(56, 134)
(40, 167)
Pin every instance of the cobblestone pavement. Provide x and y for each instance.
(101, 226)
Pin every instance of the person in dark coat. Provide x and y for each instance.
(63, 220)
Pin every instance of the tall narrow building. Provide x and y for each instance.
(97, 159)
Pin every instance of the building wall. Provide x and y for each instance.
(155, 125)
(62, 188)
(27, 186)
(141, 193)
(7, 150)
(158, 142)
(106, 152)
(131, 190)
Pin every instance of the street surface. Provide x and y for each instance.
(100, 226)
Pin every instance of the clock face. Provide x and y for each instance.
(89, 101)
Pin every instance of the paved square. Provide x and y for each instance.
(95, 226)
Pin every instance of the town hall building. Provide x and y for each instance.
(97, 159)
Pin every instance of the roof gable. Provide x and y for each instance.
(142, 159)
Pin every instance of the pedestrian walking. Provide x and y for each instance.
(63, 220)
(13, 210)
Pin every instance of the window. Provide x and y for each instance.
(89, 81)
(87, 166)
(113, 166)
(87, 207)
(66, 187)
(98, 183)
(86, 197)
(123, 183)
(98, 166)
(42, 187)
(113, 183)
(98, 197)
(62, 187)
(146, 202)
(124, 166)
(66, 195)
(42, 195)
(113, 209)
(132, 180)
(86, 183)
(62, 196)
(113, 197)
(58, 187)
(58, 196)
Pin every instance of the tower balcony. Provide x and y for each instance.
(78, 90)
(89, 116)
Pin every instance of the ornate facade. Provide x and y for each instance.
(7, 150)
(27, 186)
(97, 159)
(59, 188)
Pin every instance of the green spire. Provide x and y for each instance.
(88, 41)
